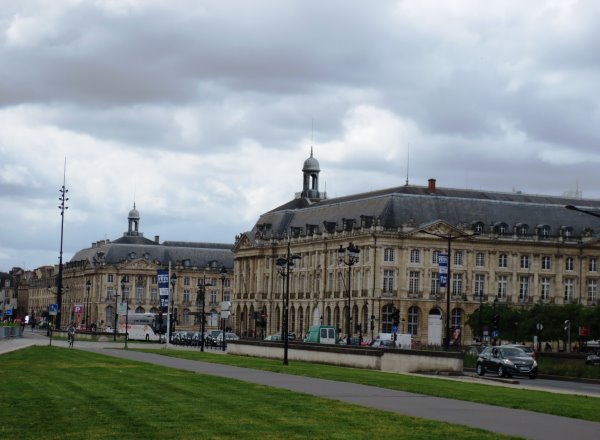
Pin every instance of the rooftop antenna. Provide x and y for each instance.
(407, 161)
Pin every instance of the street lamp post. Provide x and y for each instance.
(88, 286)
(126, 297)
(116, 322)
(200, 300)
(349, 257)
(172, 308)
(62, 207)
(223, 276)
(285, 266)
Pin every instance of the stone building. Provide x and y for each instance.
(504, 247)
(98, 277)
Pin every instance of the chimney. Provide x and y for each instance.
(156, 239)
(431, 187)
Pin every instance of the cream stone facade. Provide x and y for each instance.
(98, 277)
(505, 248)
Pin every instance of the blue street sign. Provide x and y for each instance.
(53, 309)
(443, 267)
(8, 312)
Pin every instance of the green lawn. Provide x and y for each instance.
(57, 393)
(581, 407)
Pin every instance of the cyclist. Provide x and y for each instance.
(71, 334)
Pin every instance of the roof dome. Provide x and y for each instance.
(134, 214)
(311, 164)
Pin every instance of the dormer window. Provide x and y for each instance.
(500, 228)
(543, 231)
(521, 229)
(478, 227)
(566, 231)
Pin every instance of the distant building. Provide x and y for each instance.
(98, 277)
(505, 247)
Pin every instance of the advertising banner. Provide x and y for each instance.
(163, 289)
(443, 269)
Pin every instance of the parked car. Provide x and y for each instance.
(382, 343)
(593, 359)
(474, 350)
(506, 361)
(275, 337)
(228, 337)
(353, 341)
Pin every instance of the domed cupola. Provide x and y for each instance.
(310, 186)
(134, 221)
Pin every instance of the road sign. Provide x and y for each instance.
(8, 312)
(53, 309)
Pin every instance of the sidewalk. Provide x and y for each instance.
(521, 423)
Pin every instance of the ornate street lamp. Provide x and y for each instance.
(285, 266)
(59, 283)
(200, 301)
(171, 315)
(223, 274)
(88, 286)
(116, 321)
(126, 297)
(348, 257)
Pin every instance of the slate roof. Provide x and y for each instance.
(415, 205)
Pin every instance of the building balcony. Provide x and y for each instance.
(525, 300)
(547, 300)
(480, 297)
(415, 295)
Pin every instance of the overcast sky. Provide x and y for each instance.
(203, 112)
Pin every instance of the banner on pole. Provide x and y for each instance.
(443, 269)
(163, 289)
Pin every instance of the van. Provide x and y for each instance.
(403, 340)
(321, 334)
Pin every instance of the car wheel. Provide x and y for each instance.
(480, 371)
(501, 372)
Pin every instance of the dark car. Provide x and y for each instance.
(593, 359)
(382, 343)
(506, 361)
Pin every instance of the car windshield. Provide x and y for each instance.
(512, 351)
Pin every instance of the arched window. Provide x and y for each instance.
(292, 323)
(300, 321)
(336, 317)
(500, 228)
(140, 310)
(413, 320)
(478, 227)
(522, 229)
(456, 318)
(328, 316)
(543, 231)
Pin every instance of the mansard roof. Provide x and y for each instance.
(178, 253)
(420, 205)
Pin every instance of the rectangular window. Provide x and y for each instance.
(109, 293)
(388, 281)
(545, 288)
(569, 289)
(110, 278)
(569, 263)
(435, 283)
(593, 264)
(434, 257)
(502, 286)
(388, 254)
(457, 283)
(480, 259)
(546, 263)
(153, 279)
(154, 295)
(227, 295)
(186, 281)
(523, 288)
(458, 258)
(413, 281)
(592, 290)
(524, 261)
(415, 256)
(502, 260)
(479, 284)
(213, 297)
(139, 294)
(125, 294)
(186, 296)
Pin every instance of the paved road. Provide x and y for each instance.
(501, 420)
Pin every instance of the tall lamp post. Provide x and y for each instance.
(172, 307)
(116, 323)
(63, 208)
(200, 301)
(223, 274)
(285, 266)
(349, 257)
(126, 298)
(88, 286)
